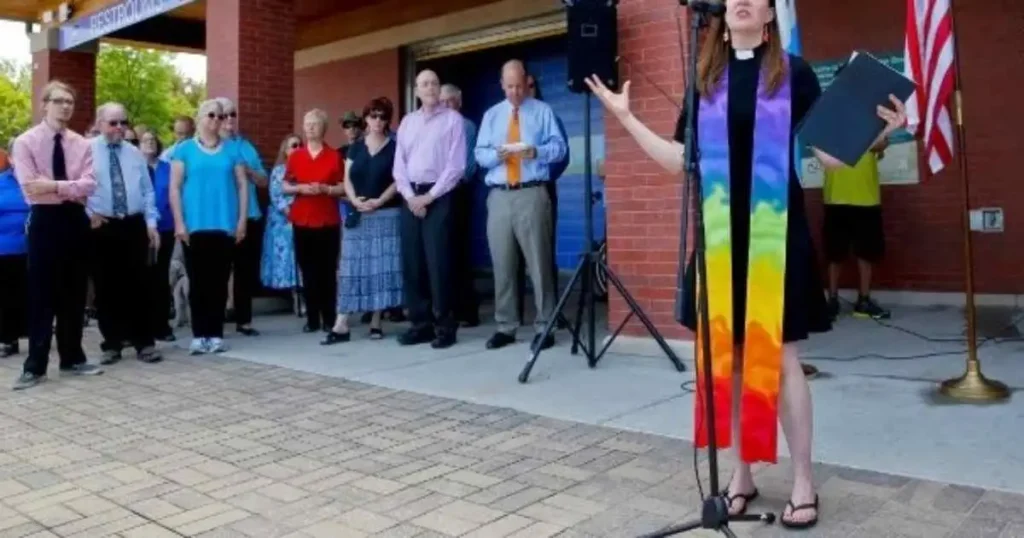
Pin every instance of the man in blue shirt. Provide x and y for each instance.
(123, 215)
(246, 263)
(467, 308)
(518, 143)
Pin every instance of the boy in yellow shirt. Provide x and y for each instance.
(853, 221)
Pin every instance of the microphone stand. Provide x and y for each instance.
(715, 509)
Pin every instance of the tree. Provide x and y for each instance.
(15, 99)
(147, 84)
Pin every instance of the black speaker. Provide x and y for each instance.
(593, 42)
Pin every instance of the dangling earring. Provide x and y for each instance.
(765, 35)
(725, 35)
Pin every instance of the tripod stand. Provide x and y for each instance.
(586, 274)
(715, 510)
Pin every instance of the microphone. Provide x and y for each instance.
(706, 7)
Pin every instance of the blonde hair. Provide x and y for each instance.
(57, 86)
(207, 106)
(226, 104)
(282, 152)
(319, 115)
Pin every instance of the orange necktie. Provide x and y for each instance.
(512, 162)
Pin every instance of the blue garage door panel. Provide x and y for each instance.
(478, 74)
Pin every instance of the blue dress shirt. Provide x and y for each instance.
(557, 169)
(137, 185)
(251, 159)
(538, 127)
(471, 168)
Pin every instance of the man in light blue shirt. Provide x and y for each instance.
(467, 304)
(519, 141)
(123, 215)
(246, 265)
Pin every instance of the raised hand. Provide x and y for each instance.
(616, 103)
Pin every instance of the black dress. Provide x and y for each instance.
(805, 309)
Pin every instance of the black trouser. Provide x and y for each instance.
(14, 299)
(426, 263)
(208, 264)
(467, 304)
(552, 189)
(58, 269)
(316, 252)
(246, 268)
(160, 287)
(120, 254)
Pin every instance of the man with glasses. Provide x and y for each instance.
(54, 167)
(246, 266)
(123, 217)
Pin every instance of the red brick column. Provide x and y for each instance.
(643, 202)
(250, 51)
(75, 68)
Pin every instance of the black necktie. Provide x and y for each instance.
(60, 170)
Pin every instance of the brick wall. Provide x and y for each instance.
(643, 203)
(346, 85)
(250, 59)
(75, 68)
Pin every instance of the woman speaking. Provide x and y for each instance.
(752, 95)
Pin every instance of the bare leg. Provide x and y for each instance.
(742, 482)
(341, 324)
(864, 275)
(796, 416)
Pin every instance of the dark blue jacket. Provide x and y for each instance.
(13, 214)
(161, 176)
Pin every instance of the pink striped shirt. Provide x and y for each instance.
(33, 161)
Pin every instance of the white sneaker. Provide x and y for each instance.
(217, 345)
(198, 346)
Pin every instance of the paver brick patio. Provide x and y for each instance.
(221, 448)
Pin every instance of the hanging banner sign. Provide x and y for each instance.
(113, 18)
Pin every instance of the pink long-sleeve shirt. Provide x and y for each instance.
(33, 161)
(431, 150)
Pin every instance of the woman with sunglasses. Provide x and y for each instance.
(370, 275)
(209, 200)
(277, 265)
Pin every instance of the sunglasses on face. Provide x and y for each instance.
(116, 123)
(294, 145)
(230, 115)
(215, 116)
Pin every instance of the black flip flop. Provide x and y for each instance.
(747, 499)
(800, 525)
(376, 334)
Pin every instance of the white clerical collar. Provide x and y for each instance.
(744, 54)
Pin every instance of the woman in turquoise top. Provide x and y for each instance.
(277, 266)
(209, 200)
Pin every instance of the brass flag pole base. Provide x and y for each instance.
(973, 386)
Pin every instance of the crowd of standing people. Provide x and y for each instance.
(375, 228)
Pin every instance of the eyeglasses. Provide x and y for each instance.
(229, 115)
(115, 123)
(294, 145)
(348, 126)
(214, 116)
(62, 101)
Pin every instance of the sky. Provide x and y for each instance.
(14, 45)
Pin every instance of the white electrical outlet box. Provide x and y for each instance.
(987, 220)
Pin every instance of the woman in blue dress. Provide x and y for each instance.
(277, 268)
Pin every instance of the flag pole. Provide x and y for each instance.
(972, 385)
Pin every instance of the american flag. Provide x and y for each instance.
(929, 62)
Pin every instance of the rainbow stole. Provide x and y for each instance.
(769, 211)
